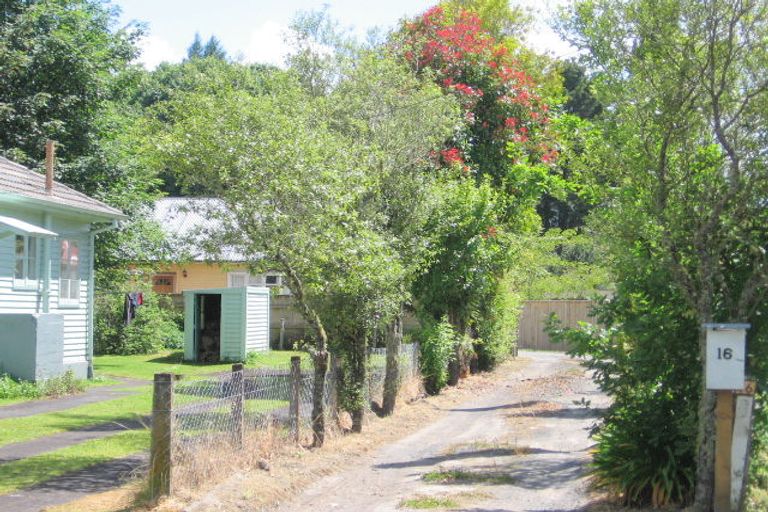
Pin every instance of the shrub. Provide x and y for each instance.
(645, 359)
(157, 326)
(497, 325)
(65, 384)
(437, 342)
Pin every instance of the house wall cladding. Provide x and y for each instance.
(77, 315)
(535, 313)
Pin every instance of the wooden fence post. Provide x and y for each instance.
(723, 439)
(295, 395)
(160, 470)
(238, 399)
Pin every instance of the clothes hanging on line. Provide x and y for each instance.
(132, 302)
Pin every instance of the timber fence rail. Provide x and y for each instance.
(205, 427)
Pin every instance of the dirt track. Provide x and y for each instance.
(522, 447)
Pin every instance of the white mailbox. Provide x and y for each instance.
(726, 355)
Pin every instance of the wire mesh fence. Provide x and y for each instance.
(215, 423)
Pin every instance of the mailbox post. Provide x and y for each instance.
(725, 367)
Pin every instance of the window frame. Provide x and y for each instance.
(69, 301)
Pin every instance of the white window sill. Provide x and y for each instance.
(25, 286)
(68, 304)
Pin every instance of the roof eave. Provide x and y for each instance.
(54, 206)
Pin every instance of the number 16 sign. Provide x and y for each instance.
(726, 355)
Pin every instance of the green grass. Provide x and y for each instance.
(14, 430)
(428, 502)
(458, 476)
(146, 366)
(34, 470)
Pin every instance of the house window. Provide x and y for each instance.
(25, 273)
(164, 283)
(237, 279)
(272, 280)
(69, 278)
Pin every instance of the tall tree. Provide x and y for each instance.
(58, 62)
(685, 93)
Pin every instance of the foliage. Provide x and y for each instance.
(501, 101)
(642, 357)
(560, 264)
(53, 387)
(58, 60)
(212, 48)
(498, 314)
(684, 153)
(157, 325)
(436, 344)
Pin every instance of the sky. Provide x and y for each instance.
(253, 30)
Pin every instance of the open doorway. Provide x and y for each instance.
(208, 328)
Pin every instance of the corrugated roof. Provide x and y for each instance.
(191, 221)
(19, 180)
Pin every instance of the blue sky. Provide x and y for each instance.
(253, 30)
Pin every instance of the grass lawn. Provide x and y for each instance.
(14, 430)
(146, 366)
(27, 472)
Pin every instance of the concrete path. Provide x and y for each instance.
(75, 485)
(523, 447)
(90, 396)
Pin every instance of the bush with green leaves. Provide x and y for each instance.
(437, 349)
(645, 358)
(65, 384)
(157, 326)
(498, 317)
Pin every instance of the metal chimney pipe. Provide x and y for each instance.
(50, 153)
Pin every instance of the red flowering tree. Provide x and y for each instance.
(505, 145)
(506, 116)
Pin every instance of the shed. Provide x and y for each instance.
(225, 324)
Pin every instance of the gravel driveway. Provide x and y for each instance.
(522, 447)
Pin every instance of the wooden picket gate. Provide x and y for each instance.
(535, 314)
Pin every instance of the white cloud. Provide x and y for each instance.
(266, 44)
(155, 50)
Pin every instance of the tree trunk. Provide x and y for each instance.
(320, 357)
(359, 374)
(705, 463)
(392, 377)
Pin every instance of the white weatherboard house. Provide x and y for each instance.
(47, 235)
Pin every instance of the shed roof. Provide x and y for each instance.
(21, 181)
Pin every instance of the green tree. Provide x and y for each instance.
(685, 98)
(212, 48)
(58, 61)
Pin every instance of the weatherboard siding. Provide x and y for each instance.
(257, 320)
(15, 300)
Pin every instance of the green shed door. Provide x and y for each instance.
(233, 324)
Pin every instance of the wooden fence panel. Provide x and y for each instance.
(535, 314)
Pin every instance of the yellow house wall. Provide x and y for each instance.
(200, 275)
